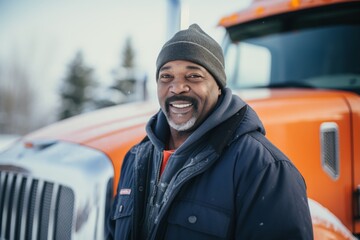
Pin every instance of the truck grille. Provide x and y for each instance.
(34, 209)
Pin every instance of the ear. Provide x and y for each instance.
(219, 93)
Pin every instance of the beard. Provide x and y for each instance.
(188, 124)
(183, 126)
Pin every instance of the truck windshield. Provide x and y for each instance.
(317, 50)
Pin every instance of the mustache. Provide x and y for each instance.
(180, 98)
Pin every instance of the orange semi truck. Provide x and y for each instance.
(296, 62)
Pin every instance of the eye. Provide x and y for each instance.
(194, 77)
(165, 77)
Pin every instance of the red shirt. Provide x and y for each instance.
(167, 154)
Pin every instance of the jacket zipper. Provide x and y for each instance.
(173, 194)
(154, 194)
(157, 180)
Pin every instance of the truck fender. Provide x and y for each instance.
(326, 225)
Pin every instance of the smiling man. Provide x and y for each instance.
(205, 169)
(187, 94)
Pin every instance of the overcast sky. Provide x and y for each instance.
(44, 35)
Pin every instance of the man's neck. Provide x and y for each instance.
(177, 138)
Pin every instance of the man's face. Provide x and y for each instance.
(187, 93)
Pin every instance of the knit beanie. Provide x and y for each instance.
(194, 45)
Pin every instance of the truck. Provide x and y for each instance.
(296, 62)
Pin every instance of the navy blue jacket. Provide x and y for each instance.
(226, 181)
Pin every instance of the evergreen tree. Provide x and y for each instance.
(75, 89)
(126, 82)
(128, 56)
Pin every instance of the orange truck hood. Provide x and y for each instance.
(275, 107)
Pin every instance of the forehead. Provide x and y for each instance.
(182, 65)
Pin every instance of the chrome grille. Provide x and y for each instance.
(34, 209)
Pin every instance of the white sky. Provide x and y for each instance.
(44, 35)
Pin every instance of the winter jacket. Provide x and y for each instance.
(226, 181)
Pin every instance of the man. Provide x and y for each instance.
(205, 169)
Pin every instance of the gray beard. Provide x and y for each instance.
(184, 126)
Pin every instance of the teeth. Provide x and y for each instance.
(184, 105)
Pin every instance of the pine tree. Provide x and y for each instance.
(128, 55)
(127, 82)
(75, 88)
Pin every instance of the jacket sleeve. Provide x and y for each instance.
(274, 205)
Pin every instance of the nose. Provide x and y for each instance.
(179, 85)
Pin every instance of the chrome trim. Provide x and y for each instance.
(6, 202)
(60, 169)
(55, 192)
(15, 209)
(25, 206)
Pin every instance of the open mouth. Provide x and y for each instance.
(180, 107)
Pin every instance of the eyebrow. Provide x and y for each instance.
(194, 67)
(164, 68)
(190, 67)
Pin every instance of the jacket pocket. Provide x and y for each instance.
(189, 220)
(123, 207)
(122, 215)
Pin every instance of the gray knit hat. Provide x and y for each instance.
(194, 45)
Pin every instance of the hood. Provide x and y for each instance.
(158, 129)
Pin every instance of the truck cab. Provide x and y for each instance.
(298, 65)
